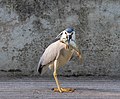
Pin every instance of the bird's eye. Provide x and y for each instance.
(65, 33)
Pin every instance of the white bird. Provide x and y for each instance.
(58, 54)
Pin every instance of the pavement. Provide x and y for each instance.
(40, 88)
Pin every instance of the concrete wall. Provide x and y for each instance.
(28, 26)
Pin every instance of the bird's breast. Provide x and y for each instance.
(64, 57)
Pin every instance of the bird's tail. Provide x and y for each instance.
(39, 69)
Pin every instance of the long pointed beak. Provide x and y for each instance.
(69, 38)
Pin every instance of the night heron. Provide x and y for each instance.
(58, 54)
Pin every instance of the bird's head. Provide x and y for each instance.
(67, 36)
(71, 35)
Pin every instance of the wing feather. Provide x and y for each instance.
(50, 53)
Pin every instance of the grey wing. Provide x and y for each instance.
(49, 55)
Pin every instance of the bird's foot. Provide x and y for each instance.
(67, 90)
(64, 90)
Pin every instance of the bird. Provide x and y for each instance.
(58, 53)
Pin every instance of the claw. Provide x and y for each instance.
(64, 90)
(67, 89)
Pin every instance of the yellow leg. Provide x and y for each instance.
(64, 90)
(79, 54)
(56, 79)
(59, 89)
(55, 75)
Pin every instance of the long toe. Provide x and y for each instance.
(64, 90)
(67, 90)
(57, 90)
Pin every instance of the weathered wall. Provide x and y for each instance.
(27, 27)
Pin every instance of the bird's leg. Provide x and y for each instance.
(59, 89)
(80, 55)
(78, 52)
(55, 77)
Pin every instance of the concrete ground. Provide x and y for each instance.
(40, 88)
